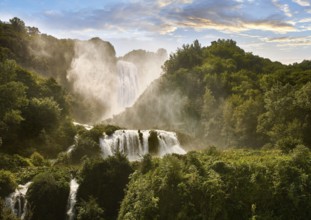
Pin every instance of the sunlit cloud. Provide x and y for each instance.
(290, 41)
(164, 3)
(302, 2)
(237, 25)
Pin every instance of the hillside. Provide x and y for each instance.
(225, 96)
(87, 70)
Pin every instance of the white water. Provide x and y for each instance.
(72, 199)
(128, 87)
(17, 202)
(86, 126)
(134, 143)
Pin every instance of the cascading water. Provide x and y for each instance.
(128, 88)
(72, 199)
(136, 143)
(17, 200)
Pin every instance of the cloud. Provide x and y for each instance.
(290, 41)
(302, 2)
(305, 20)
(163, 3)
(167, 16)
(283, 7)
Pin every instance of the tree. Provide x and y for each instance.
(90, 210)
(7, 183)
(41, 114)
(18, 24)
(108, 179)
(52, 186)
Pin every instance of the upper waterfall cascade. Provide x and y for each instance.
(136, 143)
(128, 87)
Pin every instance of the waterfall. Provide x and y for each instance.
(72, 199)
(128, 88)
(136, 143)
(17, 202)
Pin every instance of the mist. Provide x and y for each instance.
(109, 83)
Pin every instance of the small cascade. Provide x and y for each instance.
(128, 88)
(136, 143)
(169, 143)
(17, 202)
(72, 199)
(72, 147)
(86, 126)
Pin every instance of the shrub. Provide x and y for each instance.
(110, 129)
(85, 146)
(37, 159)
(13, 162)
(90, 210)
(47, 197)
(7, 183)
(105, 180)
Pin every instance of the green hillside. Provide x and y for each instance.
(225, 96)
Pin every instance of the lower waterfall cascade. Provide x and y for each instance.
(72, 199)
(136, 143)
(17, 202)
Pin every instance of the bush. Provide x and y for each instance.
(13, 162)
(85, 147)
(7, 183)
(146, 163)
(37, 159)
(90, 210)
(105, 180)
(110, 129)
(287, 144)
(47, 197)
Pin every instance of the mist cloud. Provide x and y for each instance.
(107, 84)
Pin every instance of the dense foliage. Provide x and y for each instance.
(34, 113)
(234, 184)
(7, 183)
(47, 196)
(90, 210)
(104, 180)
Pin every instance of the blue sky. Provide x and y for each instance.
(276, 29)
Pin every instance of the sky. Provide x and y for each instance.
(276, 29)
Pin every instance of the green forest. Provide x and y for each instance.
(244, 120)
